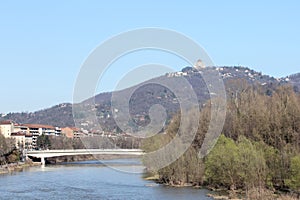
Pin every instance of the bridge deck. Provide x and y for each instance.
(70, 152)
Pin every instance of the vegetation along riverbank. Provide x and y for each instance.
(257, 155)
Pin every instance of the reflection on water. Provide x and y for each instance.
(90, 180)
(121, 165)
(107, 162)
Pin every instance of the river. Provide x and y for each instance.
(105, 180)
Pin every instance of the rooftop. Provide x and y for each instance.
(7, 122)
(38, 126)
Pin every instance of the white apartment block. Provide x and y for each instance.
(26, 135)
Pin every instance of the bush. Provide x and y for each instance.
(294, 181)
(238, 165)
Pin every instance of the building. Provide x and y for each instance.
(26, 135)
(36, 130)
(57, 131)
(20, 128)
(72, 132)
(19, 138)
(6, 128)
(28, 142)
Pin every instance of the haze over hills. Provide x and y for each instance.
(147, 94)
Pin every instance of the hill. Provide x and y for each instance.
(145, 95)
(58, 115)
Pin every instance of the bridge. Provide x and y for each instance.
(74, 152)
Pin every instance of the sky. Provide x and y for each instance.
(43, 44)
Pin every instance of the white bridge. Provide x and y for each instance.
(74, 152)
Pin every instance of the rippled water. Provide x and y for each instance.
(90, 180)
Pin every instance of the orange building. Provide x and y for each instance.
(71, 132)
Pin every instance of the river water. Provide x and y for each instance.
(107, 180)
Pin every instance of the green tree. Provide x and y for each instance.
(236, 165)
(221, 164)
(251, 164)
(294, 180)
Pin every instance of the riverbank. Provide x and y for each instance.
(15, 167)
(266, 195)
(223, 194)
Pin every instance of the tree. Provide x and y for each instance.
(43, 142)
(236, 165)
(251, 164)
(8, 152)
(259, 148)
(294, 180)
(221, 164)
(3, 149)
(14, 156)
(187, 169)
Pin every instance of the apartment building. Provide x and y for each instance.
(6, 128)
(36, 130)
(26, 135)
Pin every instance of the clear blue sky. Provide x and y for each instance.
(44, 43)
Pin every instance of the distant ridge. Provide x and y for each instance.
(149, 94)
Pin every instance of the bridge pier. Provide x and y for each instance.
(43, 162)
